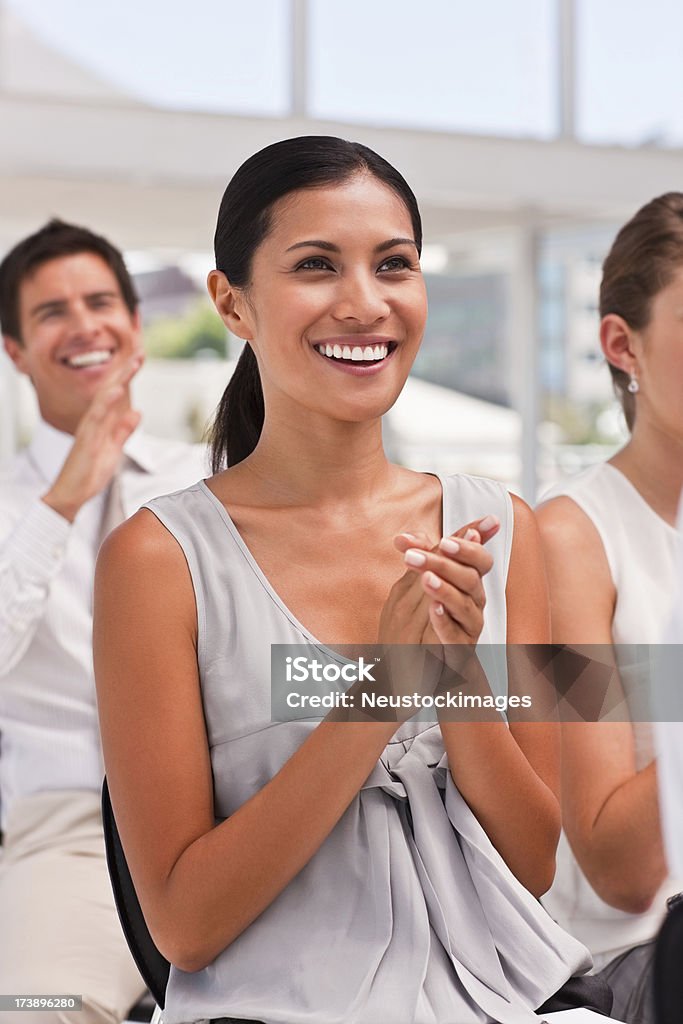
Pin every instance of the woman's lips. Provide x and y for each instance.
(360, 356)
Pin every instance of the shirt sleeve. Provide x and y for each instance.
(31, 555)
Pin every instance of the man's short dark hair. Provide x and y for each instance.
(55, 239)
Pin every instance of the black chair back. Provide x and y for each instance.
(153, 967)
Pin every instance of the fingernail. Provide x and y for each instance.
(471, 535)
(451, 547)
(413, 557)
(488, 522)
(438, 608)
(432, 580)
(409, 536)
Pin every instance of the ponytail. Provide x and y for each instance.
(239, 417)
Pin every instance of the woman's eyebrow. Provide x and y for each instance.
(395, 241)
(329, 247)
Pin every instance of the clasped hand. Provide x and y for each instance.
(440, 598)
(438, 602)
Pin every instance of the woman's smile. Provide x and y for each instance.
(361, 355)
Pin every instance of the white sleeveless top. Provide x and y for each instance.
(406, 914)
(640, 549)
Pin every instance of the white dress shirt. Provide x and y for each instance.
(49, 735)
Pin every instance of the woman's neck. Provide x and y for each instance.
(653, 462)
(323, 464)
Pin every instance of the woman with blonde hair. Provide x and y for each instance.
(609, 538)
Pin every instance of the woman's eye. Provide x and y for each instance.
(314, 263)
(394, 263)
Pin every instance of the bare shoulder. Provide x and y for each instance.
(524, 519)
(528, 619)
(582, 591)
(143, 536)
(526, 538)
(562, 521)
(139, 547)
(139, 560)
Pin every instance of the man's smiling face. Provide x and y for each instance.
(76, 330)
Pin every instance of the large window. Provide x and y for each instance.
(446, 65)
(629, 72)
(484, 68)
(213, 55)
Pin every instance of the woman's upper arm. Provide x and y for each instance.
(528, 623)
(151, 719)
(598, 757)
(582, 593)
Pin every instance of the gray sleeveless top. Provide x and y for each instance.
(406, 914)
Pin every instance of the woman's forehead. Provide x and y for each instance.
(359, 204)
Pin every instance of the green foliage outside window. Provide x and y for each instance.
(199, 332)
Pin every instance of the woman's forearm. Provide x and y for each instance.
(518, 811)
(621, 852)
(229, 875)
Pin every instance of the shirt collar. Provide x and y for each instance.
(50, 447)
(141, 450)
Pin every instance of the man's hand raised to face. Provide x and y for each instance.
(98, 443)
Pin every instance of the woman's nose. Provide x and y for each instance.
(361, 298)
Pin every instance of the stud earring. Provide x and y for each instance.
(633, 386)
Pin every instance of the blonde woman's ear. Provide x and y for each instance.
(617, 341)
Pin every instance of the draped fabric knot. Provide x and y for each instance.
(482, 915)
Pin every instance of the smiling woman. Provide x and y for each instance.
(618, 518)
(238, 829)
(355, 287)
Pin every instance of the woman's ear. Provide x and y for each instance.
(231, 304)
(619, 343)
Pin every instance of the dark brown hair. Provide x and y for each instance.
(244, 220)
(55, 239)
(643, 259)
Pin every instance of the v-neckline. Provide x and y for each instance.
(265, 582)
(643, 501)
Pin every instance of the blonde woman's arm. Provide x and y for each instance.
(610, 810)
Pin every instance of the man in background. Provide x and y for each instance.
(70, 322)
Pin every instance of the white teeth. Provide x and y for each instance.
(369, 354)
(94, 358)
